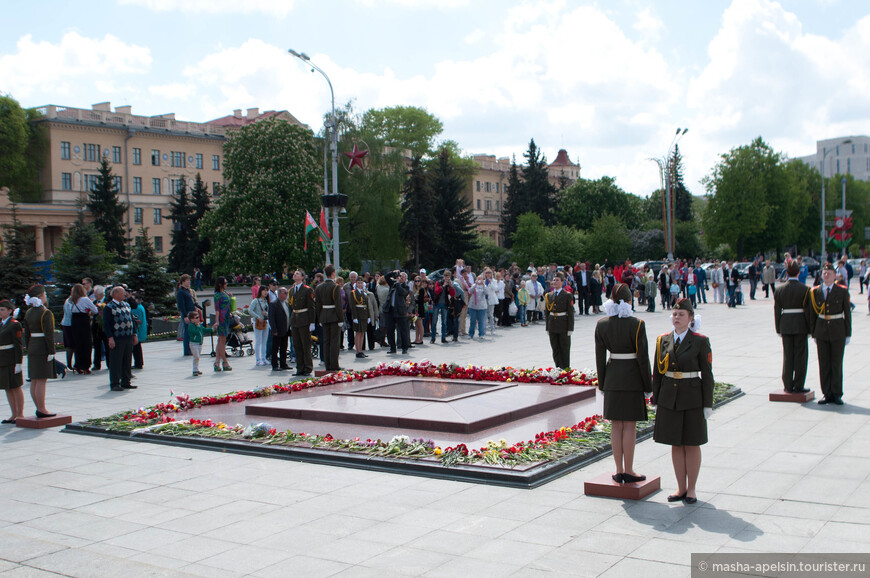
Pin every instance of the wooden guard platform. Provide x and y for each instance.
(793, 397)
(43, 422)
(605, 487)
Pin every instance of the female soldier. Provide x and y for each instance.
(359, 309)
(624, 378)
(683, 391)
(39, 329)
(11, 357)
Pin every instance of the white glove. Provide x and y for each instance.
(51, 358)
(647, 394)
(848, 339)
(311, 327)
(18, 368)
(708, 411)
(814, 341)
(569, 333)
(356, 320)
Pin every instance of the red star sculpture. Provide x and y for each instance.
(356, 157)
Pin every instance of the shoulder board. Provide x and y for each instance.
(306, 286)
(699, 335)
(664, 334)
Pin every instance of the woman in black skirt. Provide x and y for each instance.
(624, 378)
(683, 394)
(82, 310)
(39, 333)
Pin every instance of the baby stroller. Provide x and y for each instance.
(238, 340)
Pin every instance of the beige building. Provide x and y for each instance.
(488, 193)
(150, 157)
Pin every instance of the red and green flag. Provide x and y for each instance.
(310, 225)
(324, 230)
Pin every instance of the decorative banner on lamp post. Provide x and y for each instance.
(356, 157)
(840, 235)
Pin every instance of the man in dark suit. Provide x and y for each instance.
(559, 309)
(301, 321)
(397, 314)
(792, 317)
(327, 301)
(583, 282)
(733, 280)
(832, 331)
(279, 322)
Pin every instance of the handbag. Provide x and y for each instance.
(512, 309)
(260, 324)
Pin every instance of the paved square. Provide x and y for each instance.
(776, 477)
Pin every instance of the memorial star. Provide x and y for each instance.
(356, 157)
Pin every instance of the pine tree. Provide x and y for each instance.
(418, 228)
(514, 206)
(182, 255)
(682, 196)
(539, 192)
(108, 210)
(82, 254)
(453, 214)
(145, 274)
(201, 201)
(16, 263)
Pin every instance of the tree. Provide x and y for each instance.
(145, 274)
(183, 254)
(607, 240)
(273, 175)
(201, 202)
(528, 239)
(403, 127)
(418, 228)
(514, 205)
(23, 145)
(16, 263)
(82, 254)
(487, 253)
(108, 210)
(562, 244)
(646, 244)
(682, 196)
(585, 201)
(537, 188)
(453, 213)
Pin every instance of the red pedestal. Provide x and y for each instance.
(43, 422)
(604, 486)
(793, 397)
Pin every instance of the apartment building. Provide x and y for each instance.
(845, 155)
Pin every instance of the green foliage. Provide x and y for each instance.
(808, 180)
(108, 210)
(201, 201)
(562, 244)
(453, 214)
(182, 255)
(533, 194)
(83, 253)
(403, 127)
(647, 244)
(722, 252)
(16, 263)
(418, 229)
(145, 274)
(528, 239)
(585, 201)
(273, 174)
(511, 210)
(682, 197)
(22, 147)
(487, 253)
(607, 240)
(687, 235)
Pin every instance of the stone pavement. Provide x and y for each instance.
(775, 478)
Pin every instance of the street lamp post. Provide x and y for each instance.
(332, 130)
(665, 169)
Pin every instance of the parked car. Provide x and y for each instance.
(812, 265)
(743, 268)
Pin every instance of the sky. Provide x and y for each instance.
(608, 81)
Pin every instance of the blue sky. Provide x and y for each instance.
(609, 81)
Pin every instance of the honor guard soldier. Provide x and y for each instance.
(832, 330)
(792, 315)
(327, 298)
(559, 309)
(683, 393)
(11, 360)
(301, 321)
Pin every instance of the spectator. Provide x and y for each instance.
(101, 346)
(523, 300)
(255, 288)
(196, 335)
(221, 323)
(477, 306)
(121, 334)
(141, 322)
(768, 278)
(444, 291)
(259, 310)
(185, 304)
(82, 310)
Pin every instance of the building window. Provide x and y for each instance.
(478, 204)
(496, 187)
(137, 215)
(90, 182)
(488, 205)
(853, 148)
(199, 160)
(137, 156)
(865, 147)
(488, 185)
(116, 154)
(155, 186)
(496, 205)
(838, 166)
(848, 166)
(215, 189)
(64, 150)
(66, 181)
(155, 158)
(478, 186)
(92, 152)
(158, 216)
(117, 182)
(215, 163)
(137, 185)
(178, 159)
(158, 244)
(175, 184)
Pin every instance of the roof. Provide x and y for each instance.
(562, 160)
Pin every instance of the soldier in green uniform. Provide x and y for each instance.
(301, 320)
(39, 332)
(327, 301)
(791, 315)
(11, 360)
(832, 330)
(683, 393)
(559, 308)
(359, 308)
(623, 378)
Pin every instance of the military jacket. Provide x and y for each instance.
(39, 331)
(11, 350)
(560, 311)
(301, 304)
(792, 308)
(678, 391)
(832, 318)
(327, 301)
(623, 337)
(359, 307)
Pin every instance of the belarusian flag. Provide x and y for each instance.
(324, 229)
(310, 225)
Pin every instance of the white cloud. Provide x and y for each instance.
(173, 90)
(649, 25)
(71, 66)
(274, 7)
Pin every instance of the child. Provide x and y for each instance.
(196, 331)
(522, 304)
(675, 293)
